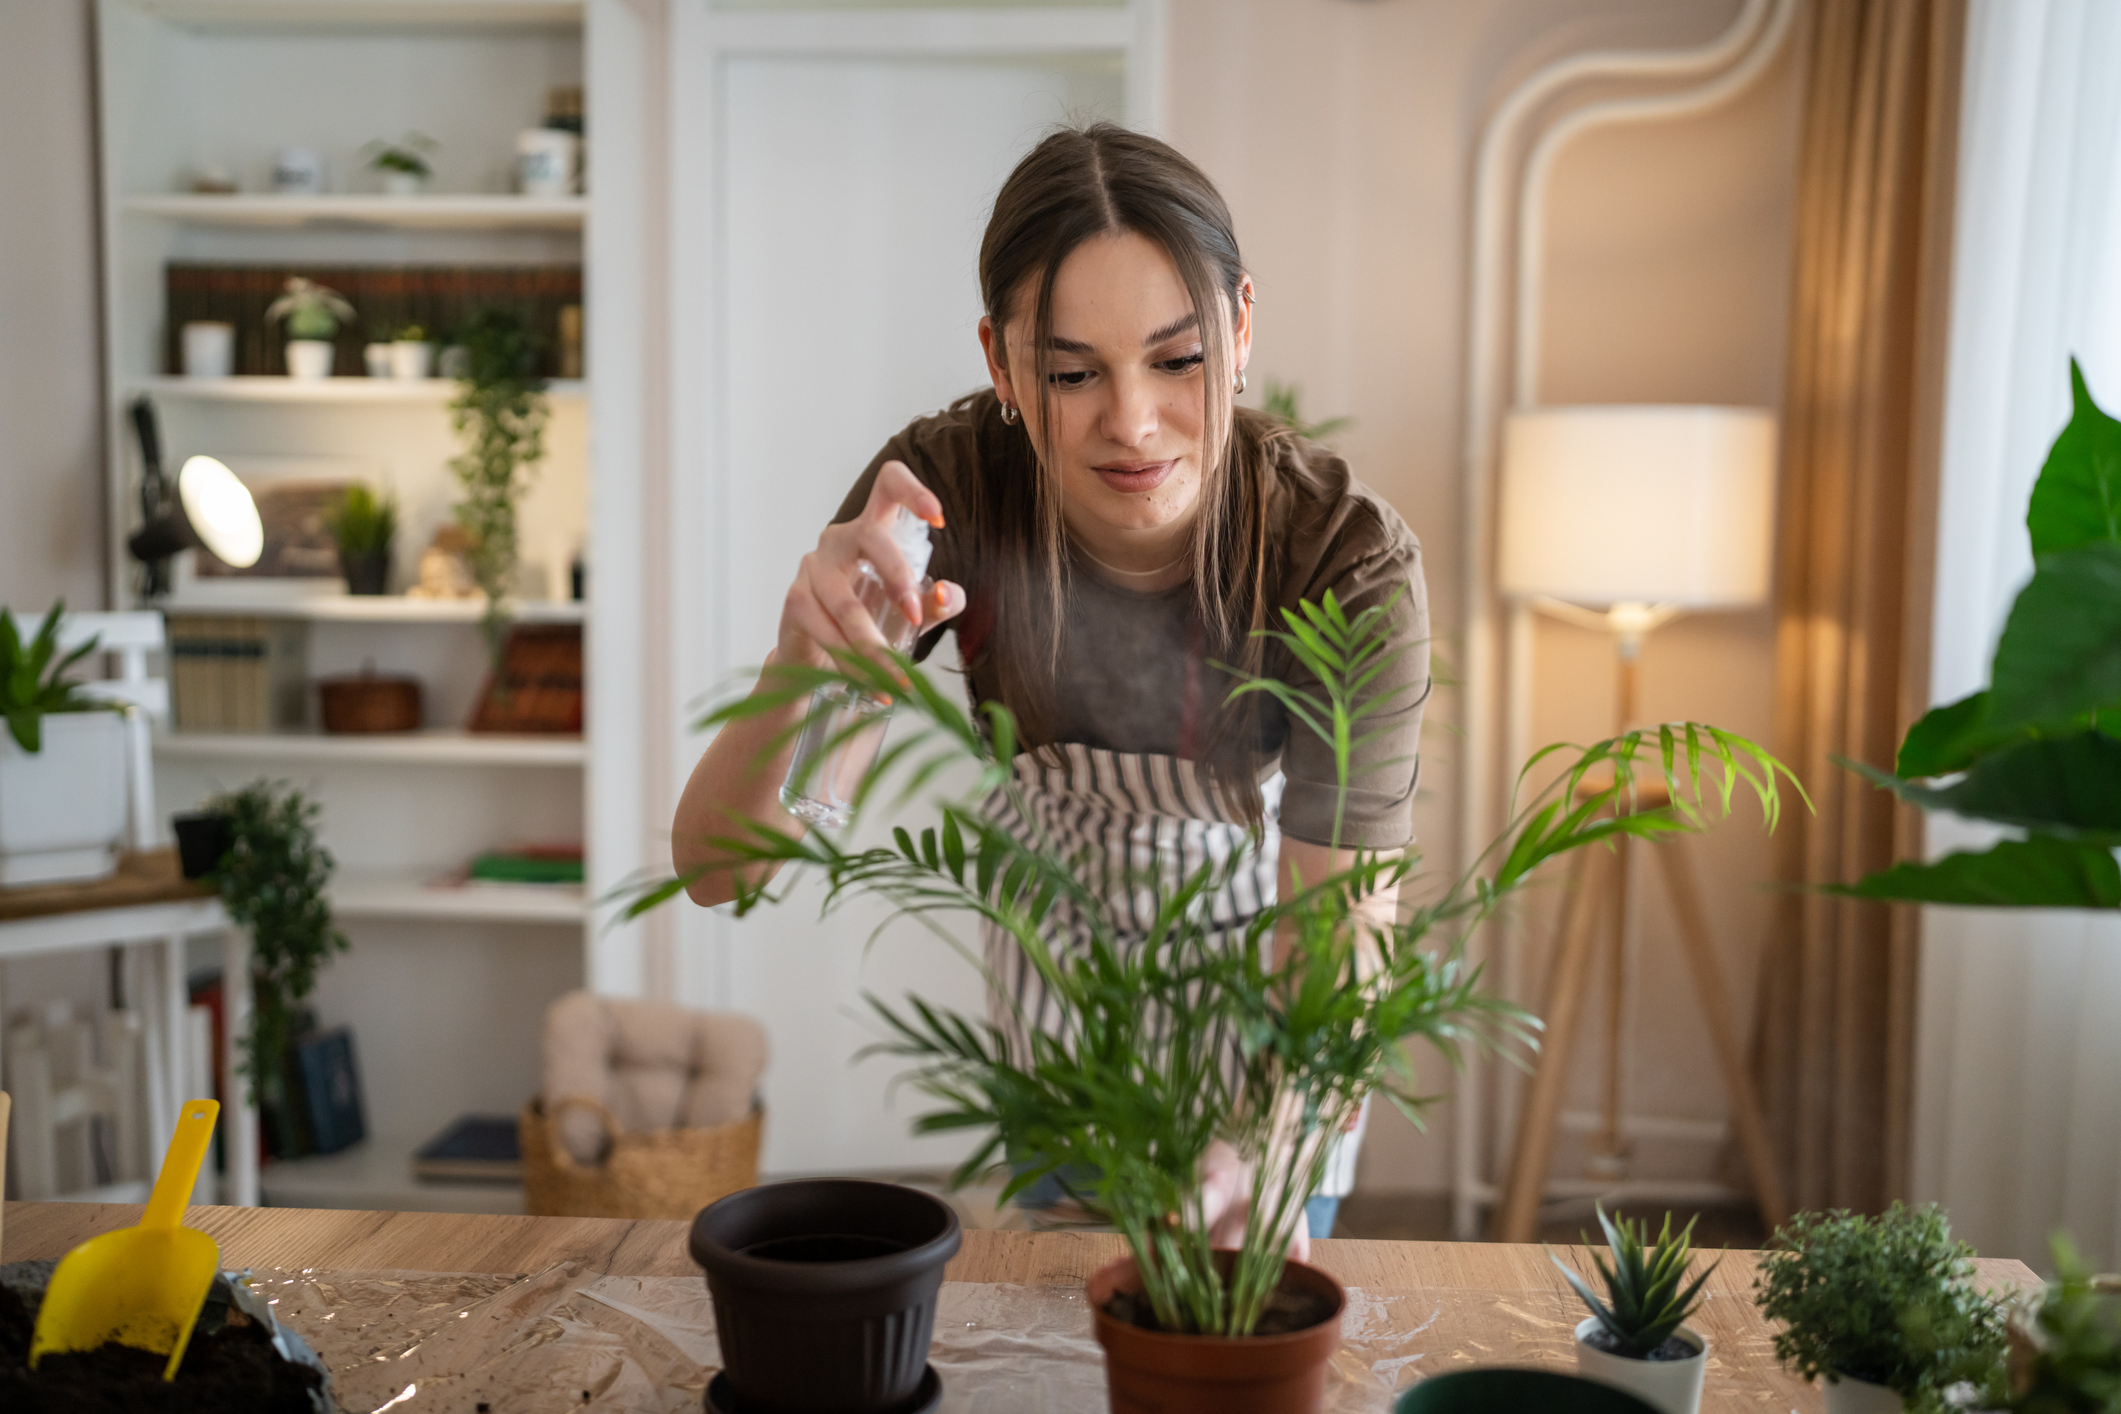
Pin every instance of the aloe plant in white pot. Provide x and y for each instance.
(62, 763)
(1637, 1337)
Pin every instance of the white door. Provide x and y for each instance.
(833, 177)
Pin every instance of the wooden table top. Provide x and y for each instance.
(293, 1239)
(152, 877)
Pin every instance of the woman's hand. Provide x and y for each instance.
(824, 613)
(1227, 1205)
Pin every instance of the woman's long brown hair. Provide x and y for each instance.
(1075, 185)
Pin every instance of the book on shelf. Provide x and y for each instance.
(237, 673)
(528, 864)
(473, 1149)
(319, 1108)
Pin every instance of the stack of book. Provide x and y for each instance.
(237, 674)
(528, 864)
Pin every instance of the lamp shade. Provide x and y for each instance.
(1630, 504)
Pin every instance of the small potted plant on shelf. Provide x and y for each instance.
(412, 354)
(1178, 1067)
(364, 525)
(403, 164)
(1883, 1309)
(313, 313)
(1636, 1337)
(501, 410)
(62, 763)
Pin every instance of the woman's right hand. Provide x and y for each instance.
(823, 611)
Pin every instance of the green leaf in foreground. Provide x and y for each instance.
(2041, 872)
(1947, 739)
(2060, 654)
(2077, 500)
(2068, 786)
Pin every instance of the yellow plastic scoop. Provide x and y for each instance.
(141, 1286)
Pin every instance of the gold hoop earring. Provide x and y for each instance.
(1240, 380)
(1009, 414)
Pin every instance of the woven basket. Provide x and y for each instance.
(665, 1173)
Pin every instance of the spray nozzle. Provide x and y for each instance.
(910, 533)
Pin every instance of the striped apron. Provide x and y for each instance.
(1151, 822)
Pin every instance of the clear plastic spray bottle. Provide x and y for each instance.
(835, 750)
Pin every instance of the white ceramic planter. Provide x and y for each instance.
(411, 361)
(62, 811)
(309, 358)
(1849, 1395)
(403, 183)
(376, 359)
(1673, 1386)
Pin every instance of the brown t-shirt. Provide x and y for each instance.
(1132, 672)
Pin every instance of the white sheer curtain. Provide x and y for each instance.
(2018, 1091)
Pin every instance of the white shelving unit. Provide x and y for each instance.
(474, 212)
(255, 389)
(445, 985)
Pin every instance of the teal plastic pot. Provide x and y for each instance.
(1515, 1392)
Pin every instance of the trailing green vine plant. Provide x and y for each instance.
(272, 881)
(1136, 1080)
(502, 408)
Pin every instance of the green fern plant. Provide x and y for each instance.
(1648, 1296)
(33, 683)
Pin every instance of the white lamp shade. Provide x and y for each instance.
(1652, 505)
(221, 511)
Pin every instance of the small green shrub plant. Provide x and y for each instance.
(1647, 1294)
(272, 881)
(408, 155)
(33, 681)
(1888, 1299)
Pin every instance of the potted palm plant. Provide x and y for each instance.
(1883, 1309)
(313, 313)
(1636, 1337)
(1135, 1084)
(62, 763)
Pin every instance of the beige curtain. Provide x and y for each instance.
(1834, 1044)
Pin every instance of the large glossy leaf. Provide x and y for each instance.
(1947, 739)
(2069, 786)
(2040, 872)
(2077, 500)
(2060, 654)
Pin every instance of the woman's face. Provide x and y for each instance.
(1126, 371)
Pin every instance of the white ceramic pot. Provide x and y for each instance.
(403, 183)
(1673, 1386)
(545, 161)
(62, 811)
(411, 361)
(1849, 1395)
(309, 358)
(209, 349)
(376, 359)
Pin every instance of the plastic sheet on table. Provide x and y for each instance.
(572, 1339)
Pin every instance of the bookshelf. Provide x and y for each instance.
(444, 986)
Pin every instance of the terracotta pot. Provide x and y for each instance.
(1672, 1386)
(824, 1293)
(1152, 1372)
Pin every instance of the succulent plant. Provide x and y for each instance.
(1649, 1296)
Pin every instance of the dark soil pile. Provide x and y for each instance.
(1287, 1311)
(1673, 1348)
(235, 1370)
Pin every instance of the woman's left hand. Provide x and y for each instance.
(1226, 1203)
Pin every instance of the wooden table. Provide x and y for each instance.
(291, 1239)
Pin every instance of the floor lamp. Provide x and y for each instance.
(1617, 518)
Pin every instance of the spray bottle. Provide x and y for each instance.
(834, 751)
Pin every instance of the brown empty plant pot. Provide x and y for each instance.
(1155, 1372)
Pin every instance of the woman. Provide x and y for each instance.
(1109, 526)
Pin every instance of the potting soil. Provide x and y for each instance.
(1673, 1348)
(234, 1370)
(1287, 1311)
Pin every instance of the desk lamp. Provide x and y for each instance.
(210, 509)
